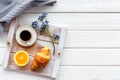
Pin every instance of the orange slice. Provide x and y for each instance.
(21, 58)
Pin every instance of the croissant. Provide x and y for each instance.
(41, 59)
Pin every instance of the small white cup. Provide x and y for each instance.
(26, 36)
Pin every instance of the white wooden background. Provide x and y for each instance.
(92, 45)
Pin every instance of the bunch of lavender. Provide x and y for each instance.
(44, 27)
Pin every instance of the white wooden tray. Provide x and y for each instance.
(52, 67)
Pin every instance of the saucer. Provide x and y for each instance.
(23, 42)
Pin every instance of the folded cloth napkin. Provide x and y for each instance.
(12, 8)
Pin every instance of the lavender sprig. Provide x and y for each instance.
(55, 36)
(44, 14)
(35, 24)
(44, 27)
(52, 40)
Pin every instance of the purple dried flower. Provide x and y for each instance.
(35, 24)
(46, 22)
(44, 14)
(43, 26)
(55, 36)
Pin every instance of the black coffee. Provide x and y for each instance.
(25, 35)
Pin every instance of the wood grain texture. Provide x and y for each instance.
(80, 21)
(32, 50)
(42, 36)
(2, 54)
(60, 52)
(88, 73)
(46, 71)
(70, 72)
(90, 57)
(89, 39)
(81, 6)
(85, 57)
(42, 40)
(94, 54)
(92, 39)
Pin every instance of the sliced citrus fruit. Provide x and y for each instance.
(21, 58)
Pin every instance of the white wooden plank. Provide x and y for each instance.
(87, 39)
(3, 35)
(92, 39)
(80, 21)
(85, 57)
(59, 51)
(3, 38)
(70, 73)
(81, 6)
(88, 73)
(90, 57)
(2, 53)
(13, 75)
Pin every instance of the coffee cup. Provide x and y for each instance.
(26, 36)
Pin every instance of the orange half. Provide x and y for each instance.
(21, 58)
